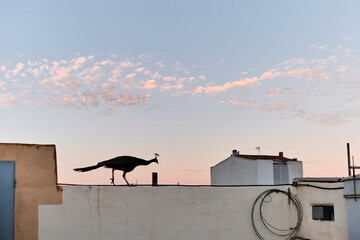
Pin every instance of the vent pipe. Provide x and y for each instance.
(281, 154)
(235, 152)
(154, 178)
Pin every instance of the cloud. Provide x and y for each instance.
(126, 64)
(168, 86)
(117, 72)
(342, 69)
(142, 69)
(106, 62)
(161, 65)
(156, 75)
(124, 99)
(36, 72)
(131, 76)
(221, 88)
(78, 62)
(7, 99)
(273, 92)
(179, 67)
(150, 84)
(232, 101)
(18, 68)
(317, 47)
(202, 77)
(169, 79)
(270, 74)
(287, 87)
(323, 47)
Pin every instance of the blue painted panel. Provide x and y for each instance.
(7, 199)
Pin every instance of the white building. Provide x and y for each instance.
(239, 169)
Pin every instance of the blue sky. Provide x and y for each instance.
(191, 80)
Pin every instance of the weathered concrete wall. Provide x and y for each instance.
(36, 183)
(162, 213)
(316, 229)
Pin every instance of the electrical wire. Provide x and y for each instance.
(288, 233)
(314, 186)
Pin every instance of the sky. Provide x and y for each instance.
(189, 80)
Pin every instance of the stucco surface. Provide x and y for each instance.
(162, 213)
(36, 183)
(316, 229)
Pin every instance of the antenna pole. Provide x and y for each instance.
(258, 148)
(348, 156)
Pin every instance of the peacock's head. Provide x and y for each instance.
(155, 159)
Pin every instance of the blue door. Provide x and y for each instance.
(7, 197)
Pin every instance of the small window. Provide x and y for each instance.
(324, 213)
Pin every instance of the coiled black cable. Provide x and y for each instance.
(288, 233)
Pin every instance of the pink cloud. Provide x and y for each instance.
(7, 99)
(131, 76)
(341, 69)
(273, 92)
(156, 75)
(221, 88)
(150, 84)
(270, 74)
(168, 86)
(142, 69)
(126, 64)
(106, 62)
(78, 62)
(169, 79)
(18, 68)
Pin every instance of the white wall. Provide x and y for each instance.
(241, 171)
(177, 213)
(235, 171)
(295, 170)
(265, 172)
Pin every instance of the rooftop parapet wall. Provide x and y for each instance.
(177, 212)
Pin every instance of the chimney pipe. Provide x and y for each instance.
(235, 152)
(281, 154)
(154, 178)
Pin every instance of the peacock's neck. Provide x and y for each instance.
(147, 162)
